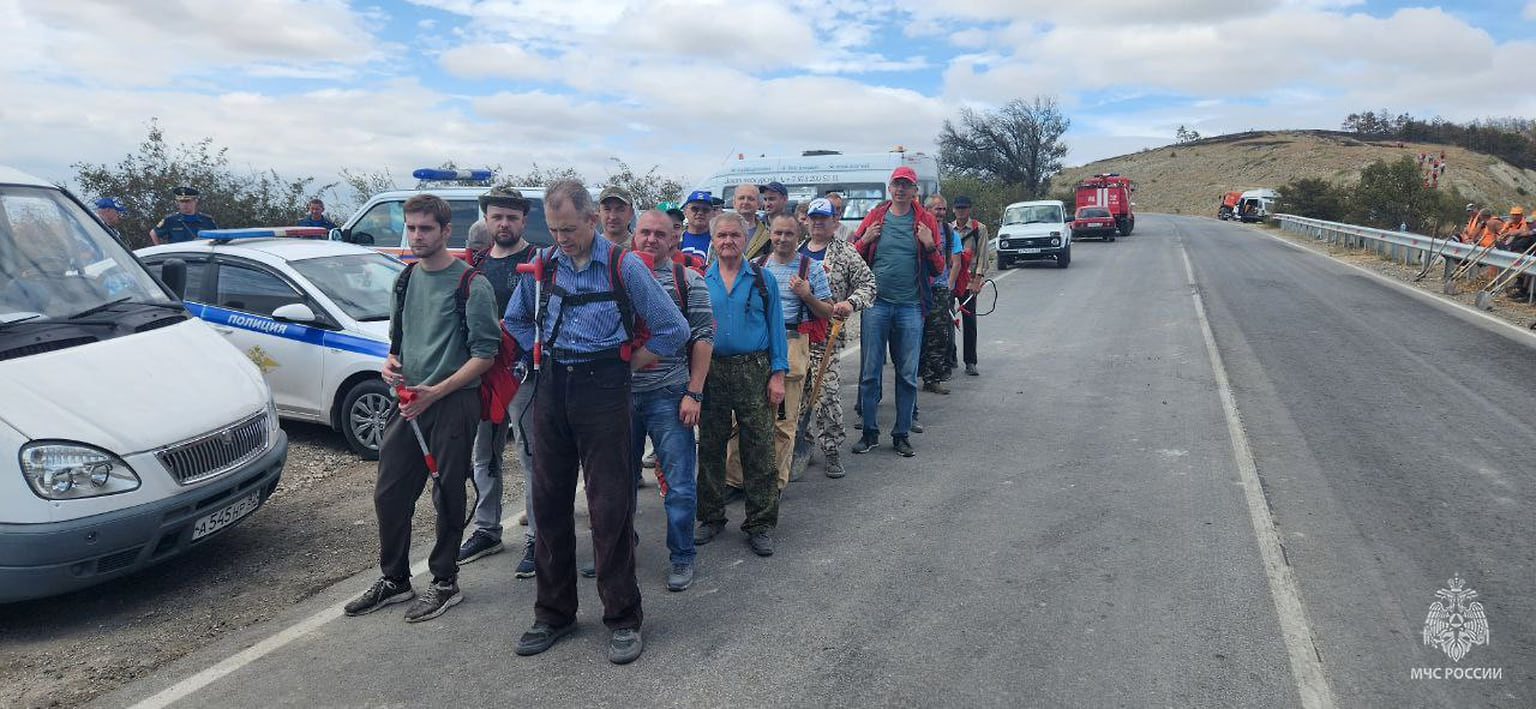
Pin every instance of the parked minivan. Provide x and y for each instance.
(129, 431)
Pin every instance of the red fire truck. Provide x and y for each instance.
(1112, 191)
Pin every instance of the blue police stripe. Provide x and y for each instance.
(288, 330)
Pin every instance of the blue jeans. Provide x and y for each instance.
(655, 412)
(898, 326)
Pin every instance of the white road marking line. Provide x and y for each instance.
(183, 689)
(1300, 641)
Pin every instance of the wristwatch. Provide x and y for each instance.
(695, 395)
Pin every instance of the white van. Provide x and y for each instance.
(129, 430)
(1255, 205)
(862, 179)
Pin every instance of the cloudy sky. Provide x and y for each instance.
(309, 87)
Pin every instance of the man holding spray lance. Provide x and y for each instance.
(439, 349)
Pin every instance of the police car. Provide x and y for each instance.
(313, 314)
(380, 222)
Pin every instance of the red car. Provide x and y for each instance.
(1094, 222)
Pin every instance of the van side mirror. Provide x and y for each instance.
(294, 312)
(334, 235)
(173, 273)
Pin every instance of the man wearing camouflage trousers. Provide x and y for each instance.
(853, 289)
(934, 367)
(746, 379)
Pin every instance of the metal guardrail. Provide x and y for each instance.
(1406, 247)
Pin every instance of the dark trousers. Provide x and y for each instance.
(581, 422)
(738, 384)
(449, 427)
(968, 328)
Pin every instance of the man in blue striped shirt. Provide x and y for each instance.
(581, 414)
(746, 379)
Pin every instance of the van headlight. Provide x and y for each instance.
(72, 471)
(272, 426)
(1055, 241)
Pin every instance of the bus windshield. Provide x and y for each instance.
(859, 199)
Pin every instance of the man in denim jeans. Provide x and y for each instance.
(897, 239)
(666, 396)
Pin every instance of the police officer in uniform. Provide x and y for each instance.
(185, 223)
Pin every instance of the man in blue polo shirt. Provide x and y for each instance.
(581, 411)
(750, 351)
(698, 210)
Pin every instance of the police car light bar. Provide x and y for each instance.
(300, 232)
(435, 173)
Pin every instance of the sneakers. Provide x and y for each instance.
(382, 593)
(761, 543)
(970, 371)
(707, 532)
(438, 597)
(866, 442)
(624, 646)
(936, 387)
(541, 637)
(733, 495)
(587, 569)
(479, 545)
(917, 426)
(525, 568)
(680, 578)
(835, 466)
(903, 446)
(649, 461)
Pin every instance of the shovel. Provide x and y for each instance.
(804, 441)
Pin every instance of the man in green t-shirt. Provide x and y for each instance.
(438, 356)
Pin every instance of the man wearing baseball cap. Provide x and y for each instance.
(185, 224)
(111, 211)
(617, 210)
(775, 197)
(698, 209)
(976, 259)
(853, 289)
(898, 241)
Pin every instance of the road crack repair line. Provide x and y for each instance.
(1300, 640)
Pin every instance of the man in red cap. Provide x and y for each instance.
(897, 240)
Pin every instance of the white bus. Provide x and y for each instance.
(860, 178)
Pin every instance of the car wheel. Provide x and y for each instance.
(364, 412)
(1064, 258)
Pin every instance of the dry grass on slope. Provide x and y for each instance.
(1190, 178)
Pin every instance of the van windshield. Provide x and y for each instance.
(1033, 214)
(56, 261)
(859, 199)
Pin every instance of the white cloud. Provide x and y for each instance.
(155, 43)
(499, 61)
(1530, 11)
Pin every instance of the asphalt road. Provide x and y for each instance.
(1075, 531)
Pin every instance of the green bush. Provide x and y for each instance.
(144, 180)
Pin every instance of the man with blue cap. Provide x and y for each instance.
(698, 209)
(185, 224)
(111, 211)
